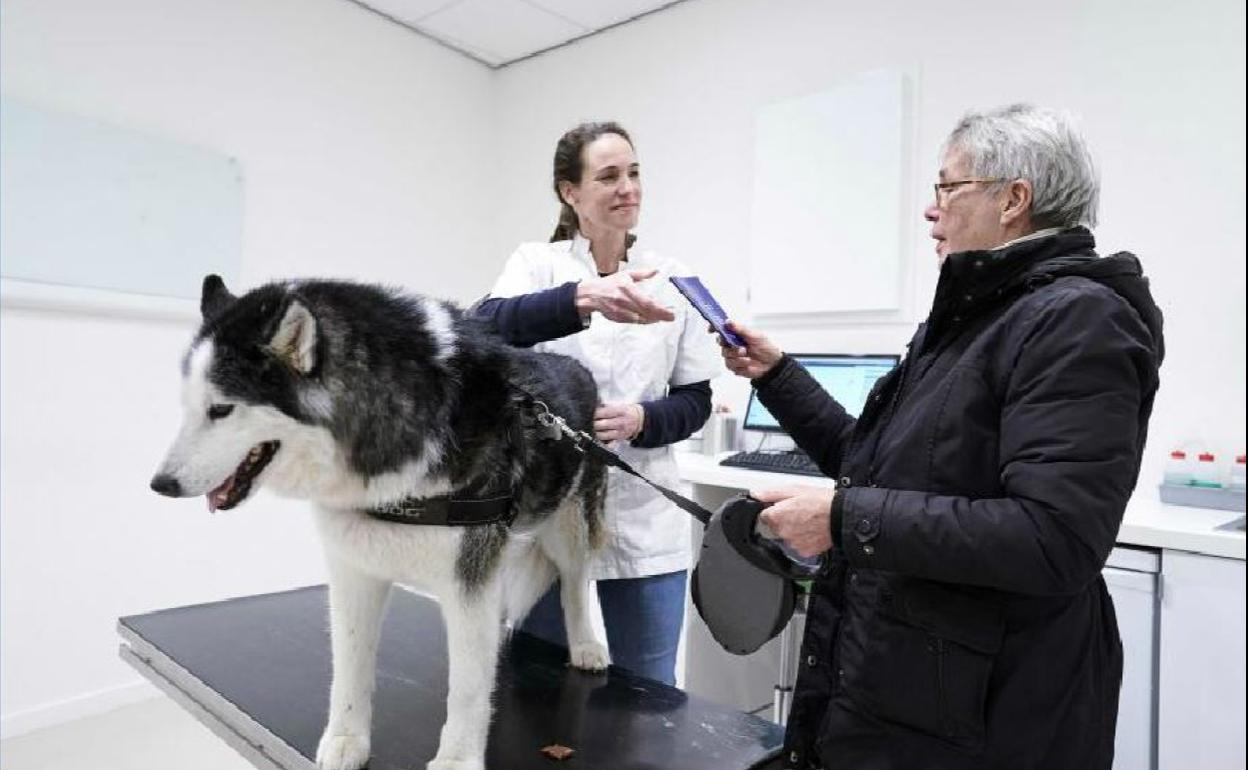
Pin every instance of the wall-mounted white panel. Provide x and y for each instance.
(87, 204)
(826, 224)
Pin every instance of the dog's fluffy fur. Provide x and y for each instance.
(355, 396)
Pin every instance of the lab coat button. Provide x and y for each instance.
(864, 526)
(812, 661)
(868, 549)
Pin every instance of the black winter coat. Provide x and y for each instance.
(961, 621)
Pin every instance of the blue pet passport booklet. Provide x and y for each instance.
(700, 297)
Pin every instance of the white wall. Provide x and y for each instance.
(1160, 87)
(362, 151)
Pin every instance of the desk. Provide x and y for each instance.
(256, 671)
(1147, 522)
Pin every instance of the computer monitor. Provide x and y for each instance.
(846, 378)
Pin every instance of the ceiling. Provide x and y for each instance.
(501, 32)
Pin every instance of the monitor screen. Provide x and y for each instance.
(848, 379)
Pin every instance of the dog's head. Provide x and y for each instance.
(249, 385)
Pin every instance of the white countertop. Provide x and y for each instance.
(1148, 522)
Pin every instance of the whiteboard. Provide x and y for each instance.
(828, 203)
(90, 206)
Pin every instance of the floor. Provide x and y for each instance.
(153, 735)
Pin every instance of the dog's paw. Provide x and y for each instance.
(589, 656)
(342, 752)
(455, 764)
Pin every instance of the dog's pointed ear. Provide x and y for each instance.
(214, 297)
(295, 337)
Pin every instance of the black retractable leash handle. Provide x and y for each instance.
(744, 584)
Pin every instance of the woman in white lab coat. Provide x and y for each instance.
(590, 295)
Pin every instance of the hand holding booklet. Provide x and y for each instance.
(700, 297)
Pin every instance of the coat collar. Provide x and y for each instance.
(972, 280)
(974, 275)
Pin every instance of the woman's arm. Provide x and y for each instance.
(528, 319)
(676, 416)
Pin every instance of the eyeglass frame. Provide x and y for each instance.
(942, 188)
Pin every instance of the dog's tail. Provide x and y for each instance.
(529, 576)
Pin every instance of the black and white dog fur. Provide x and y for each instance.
(354, 397)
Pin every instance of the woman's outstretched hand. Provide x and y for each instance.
(619, 299)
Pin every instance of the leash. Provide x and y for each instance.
(448, 510)
(583, 442)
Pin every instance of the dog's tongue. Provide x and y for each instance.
(218, 496)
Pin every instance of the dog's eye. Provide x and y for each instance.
(217, 411)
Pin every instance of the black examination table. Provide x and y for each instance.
(256, 671)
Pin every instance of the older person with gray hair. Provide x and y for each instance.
(960, 621)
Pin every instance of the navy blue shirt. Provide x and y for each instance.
(528, 319)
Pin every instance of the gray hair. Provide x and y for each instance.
(1040, 145)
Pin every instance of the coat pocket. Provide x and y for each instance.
(925, 658)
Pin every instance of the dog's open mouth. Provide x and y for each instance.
(232, 491)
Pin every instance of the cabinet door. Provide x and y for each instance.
(1135, 604)
(1202, 711)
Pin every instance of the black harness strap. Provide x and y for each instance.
(446, 511)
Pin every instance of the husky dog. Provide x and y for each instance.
(358, 397)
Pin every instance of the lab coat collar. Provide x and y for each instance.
(580, 251)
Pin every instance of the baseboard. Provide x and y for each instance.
(77, 707)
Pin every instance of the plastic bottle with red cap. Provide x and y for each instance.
(1178, 471)
(1206, 473)
(1237, 474)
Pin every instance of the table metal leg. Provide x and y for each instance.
(790, 647)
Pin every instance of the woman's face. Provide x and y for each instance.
(608, 197)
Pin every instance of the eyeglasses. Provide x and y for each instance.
(944, 188)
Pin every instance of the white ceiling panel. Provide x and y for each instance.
(509, 29)
(498, 32)
(596, 14)
(408, 11)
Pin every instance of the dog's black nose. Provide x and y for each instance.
(166, 485)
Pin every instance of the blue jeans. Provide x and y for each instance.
(642, 617)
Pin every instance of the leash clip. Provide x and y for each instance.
(555, 426)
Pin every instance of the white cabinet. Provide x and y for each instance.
(1131, 575)
(1201, 716)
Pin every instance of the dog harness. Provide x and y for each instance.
(446, 510)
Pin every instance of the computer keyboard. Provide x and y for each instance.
(774, 462)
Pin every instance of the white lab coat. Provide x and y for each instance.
(646, 534)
